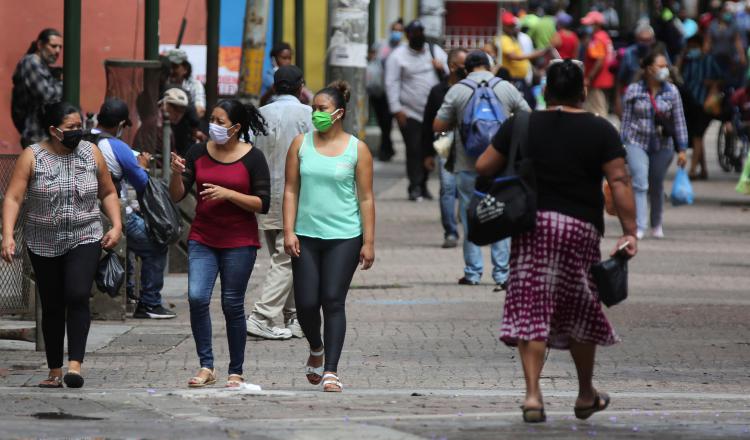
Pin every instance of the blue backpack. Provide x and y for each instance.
(483, 116)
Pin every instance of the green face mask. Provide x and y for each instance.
(323, 121)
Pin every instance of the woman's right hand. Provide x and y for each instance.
(9, 249)
(291, 245)
(178, 164)
(630, 250)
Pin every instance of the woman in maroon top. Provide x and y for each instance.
(233, 183)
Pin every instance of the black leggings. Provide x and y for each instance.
(322, 274)
(64, 284)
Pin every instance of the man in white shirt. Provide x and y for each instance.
(410, 73)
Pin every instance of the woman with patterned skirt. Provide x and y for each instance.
(552, 300)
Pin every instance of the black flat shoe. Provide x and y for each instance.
(73, 379)
(534, 415)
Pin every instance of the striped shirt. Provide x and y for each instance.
(695, 73)
(638, 127)
(62, 209)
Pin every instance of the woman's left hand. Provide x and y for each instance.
(367, 256)
(215, 192)
(111, 238)
(681, 159)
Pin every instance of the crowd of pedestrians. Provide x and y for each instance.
(290, 170)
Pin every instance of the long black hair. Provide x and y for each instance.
(340, 92)
(54, 114)
(246, 115)
(44, 37)
(564, 84)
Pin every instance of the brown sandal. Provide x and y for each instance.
(234, 381)
(198, 381)
(51, 382)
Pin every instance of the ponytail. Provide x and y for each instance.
(246, 115)
(43, 37)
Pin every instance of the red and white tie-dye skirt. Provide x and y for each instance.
(551, 295)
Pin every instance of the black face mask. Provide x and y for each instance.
(71, 138)
(417, 42)
(461, 73)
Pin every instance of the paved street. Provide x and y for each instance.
(422, 359)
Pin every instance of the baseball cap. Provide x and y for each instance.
(112, 112)
(288, 77)
(593, 17)
(509, 19)
(564, 19)
(414, 25)
(177, 56)
(176, 97)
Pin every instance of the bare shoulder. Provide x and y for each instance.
(363, 151)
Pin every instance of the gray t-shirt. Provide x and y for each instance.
(458, 97)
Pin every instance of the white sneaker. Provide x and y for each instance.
(260, 329)
(639, 235)
(293, 326)
(657, 232)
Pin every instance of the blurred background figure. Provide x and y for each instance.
(181, 74)
(35, 84)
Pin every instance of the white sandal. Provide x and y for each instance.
(332, 379)
(315, 374)
(198, 382)
(234, 381)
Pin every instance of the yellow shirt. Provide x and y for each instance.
(517, 69)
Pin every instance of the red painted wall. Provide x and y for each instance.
(109, 29)
(482, 14)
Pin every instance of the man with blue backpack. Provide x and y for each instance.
(125, 165)
(477, 105)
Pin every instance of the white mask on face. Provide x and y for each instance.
(218, 134)
(662, 74)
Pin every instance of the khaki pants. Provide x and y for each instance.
(277, 296)
(596, 103)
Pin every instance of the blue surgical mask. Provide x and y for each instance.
(396, 37)
(694, 53)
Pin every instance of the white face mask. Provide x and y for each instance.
(662, 74)
(218, 134)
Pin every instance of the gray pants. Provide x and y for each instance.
(277, 297)
(648, 170)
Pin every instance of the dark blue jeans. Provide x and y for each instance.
(153, 259)
(234, 265)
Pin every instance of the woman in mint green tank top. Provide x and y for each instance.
(329, 227)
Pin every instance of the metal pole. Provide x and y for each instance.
(371, 11)
(347, 59)
(166, 147)
(72, 52)
(213, 9)
(278, 21)
(299, 33)
(151, 30)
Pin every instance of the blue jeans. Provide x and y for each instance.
(648, 169)
(448, 196)
(234, 265)
(499, 251)
(153, 259)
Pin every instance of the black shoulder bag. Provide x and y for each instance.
(506, 205)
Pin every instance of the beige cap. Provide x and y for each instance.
(176, 97)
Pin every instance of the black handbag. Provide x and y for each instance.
(611, 279)
(506, 206)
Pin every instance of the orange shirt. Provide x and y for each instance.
(600, 47)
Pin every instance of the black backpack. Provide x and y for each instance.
(505, 206)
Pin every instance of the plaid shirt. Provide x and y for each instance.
(33, 88)
(638, 126)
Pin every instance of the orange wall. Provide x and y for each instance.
(109, 29)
